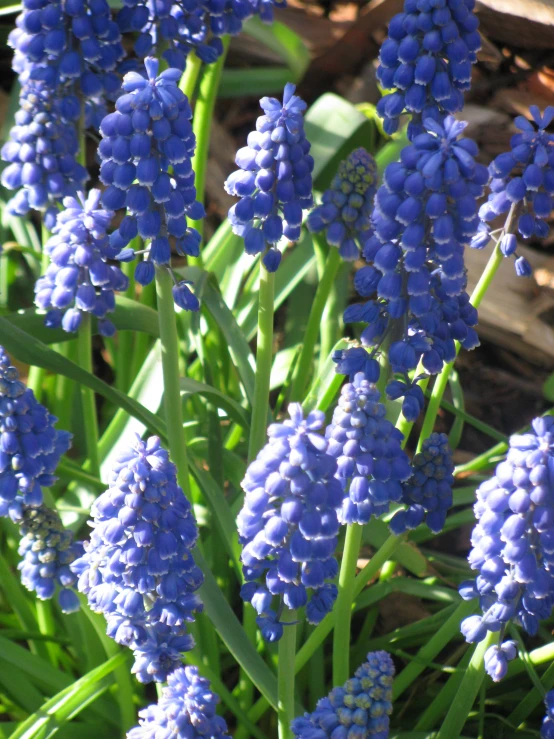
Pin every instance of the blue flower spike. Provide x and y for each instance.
(288, 525)
(360, 709)
(185, 710)
(513, 545)
(345, 211)
(138, 569)
(274, 179)
(146, 153)
(547, 728)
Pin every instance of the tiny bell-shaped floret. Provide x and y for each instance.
(547, 728)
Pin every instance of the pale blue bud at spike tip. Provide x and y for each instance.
(522, 179)
(185, 710)
(427, 60)
(371, 464)
(428, 492)
(274, 179)
(288, 525)
(30, 445)
(360, 709)
(513, 545)
(146, 154)
(345, 210)
(138, 569)
(80, 278)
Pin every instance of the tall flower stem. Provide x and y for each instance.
(170, 368)
(332, 265)
(285, 675)
(343, 607)
(88, 403)
(190, 77)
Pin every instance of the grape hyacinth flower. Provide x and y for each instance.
(522, 185)
(425, 213)
(427, 60)
(185, 710)
(47, 550)
(274, 179)
(79, 278)
(547, 728)
(513, 545)
(30, 445)
(146, 154)
(428, 492)
(345, 210)
(288, 525)
(360, 709)
(138, 569)
(41, 154)
(371, 464)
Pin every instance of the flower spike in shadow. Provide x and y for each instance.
(547, 728)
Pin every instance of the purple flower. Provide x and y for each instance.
(547, 728)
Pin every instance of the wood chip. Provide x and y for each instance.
(525, 24)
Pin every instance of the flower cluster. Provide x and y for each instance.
(513, 544)
(138, 569)
(79, 278)
(146, 155)
(41, 154)
(345, 210)
(360, 709)
(274, 182)
(371, 464)
(428, 492)
(185, 710)
(522, 184)
(547, 728)
(288, 525)
(425, 213)
(30, 445)
(427, 61)
(47, 550)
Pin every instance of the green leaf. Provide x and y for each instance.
(235, 411)
(27, 349)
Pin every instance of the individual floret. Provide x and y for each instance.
(288, 525)
(80, 278)
(360, 709)
(274, 179)
(345, 210)
(427, 60)
(428, 492)
(513, 545)
(371, 464)
(138, 569)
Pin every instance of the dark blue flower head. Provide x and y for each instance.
(146, 154)
(547, 728)
(80, 278)
(371, 464)
(41, 154)
(274, 182)
(345, 210)
(360, 709)
(30, 445)
(428, 492)
(185, 710)
(523, 185)
(47, 550)
(427, 61)
(138, 569)
(513, 544)
(425, 213)
(288, 525)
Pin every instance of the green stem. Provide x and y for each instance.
(170, 366)
(467, 692)
(331, 320)
(343, 606)
(202, 128)
(126, 339)
(90, 422)
(285, 676)
(312, 330)
(264, 358)
(189, 78)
